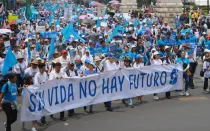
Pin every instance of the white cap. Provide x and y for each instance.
(124, 34)
(206, 50)
(156, 53)
(19, 56)
(153, 49)
(167, 47)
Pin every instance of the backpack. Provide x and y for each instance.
(7, 86)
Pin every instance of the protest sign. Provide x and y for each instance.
(63, 94)
(12, 17)
(172, 39)
(40, 28)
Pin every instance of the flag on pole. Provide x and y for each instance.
(28, 12)
(9, 61)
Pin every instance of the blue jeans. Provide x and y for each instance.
(186, 78)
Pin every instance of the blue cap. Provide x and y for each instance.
(139, 56)
(87, 61)
(173, 54)
(109, 55)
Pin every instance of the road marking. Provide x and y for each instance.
(192, 98)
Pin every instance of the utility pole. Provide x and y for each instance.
(208, 6)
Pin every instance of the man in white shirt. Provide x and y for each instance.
(19, 69)
(58, 74)
(40, 78)
(31, 71)
(109, 65)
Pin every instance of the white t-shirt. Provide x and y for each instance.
(135, 65)
(63, 61)
(110, 66)
(156, 62)
(40, 78)
(55, 75)
(31, 72)
(20, 68)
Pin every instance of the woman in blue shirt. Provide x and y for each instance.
(186, 65)
(90, 71)
(8, 101)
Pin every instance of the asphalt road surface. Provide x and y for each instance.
(177, 114)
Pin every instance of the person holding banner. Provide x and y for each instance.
(155, 60)
(90, 71)
(186, 65)
(138, 64)
(40, 78)
(57, 73)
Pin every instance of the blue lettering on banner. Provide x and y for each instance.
(62, 93)
(121, 82)
(136, 81)
(50, 96)
(114, 84)
(83, 90)
(163, 74)
(105, 87)
(90, 90)
(156, 79)
(142, 82)
(70, 92)
(41, 100)
(131, 82)
(149, 78)
(56, 95)
(174, 77)
(32, 107)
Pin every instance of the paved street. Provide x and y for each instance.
(178, 114)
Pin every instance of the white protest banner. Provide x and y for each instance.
(64, 94)
(40, 28)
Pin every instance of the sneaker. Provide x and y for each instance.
(5, 125)
(23, 125)
(186, 93)
(33, 129)
(155, 98)
(181, 94)
(207, 89)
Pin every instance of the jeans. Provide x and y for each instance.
(206, 80)
(192, 71)
(11, 115)
(186, 78)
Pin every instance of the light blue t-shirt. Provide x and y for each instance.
(183, 60)
(9, 89)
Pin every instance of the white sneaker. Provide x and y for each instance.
(181, 93)
(5, 125)
(186, 93)
(155, 98)
(207, 89)
(33, 129)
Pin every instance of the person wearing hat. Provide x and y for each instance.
(165, 28)
(127, 64)
(40, 78)
(33, 69)
(98, 64)
(86, 56)
(109, 64)
(64, 58)
(155, 60)
(90, 70)
(57, 73)
(206, 68)
(19, 69)
(70, 72)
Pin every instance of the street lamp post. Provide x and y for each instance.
(184, 6)
(208, 6)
